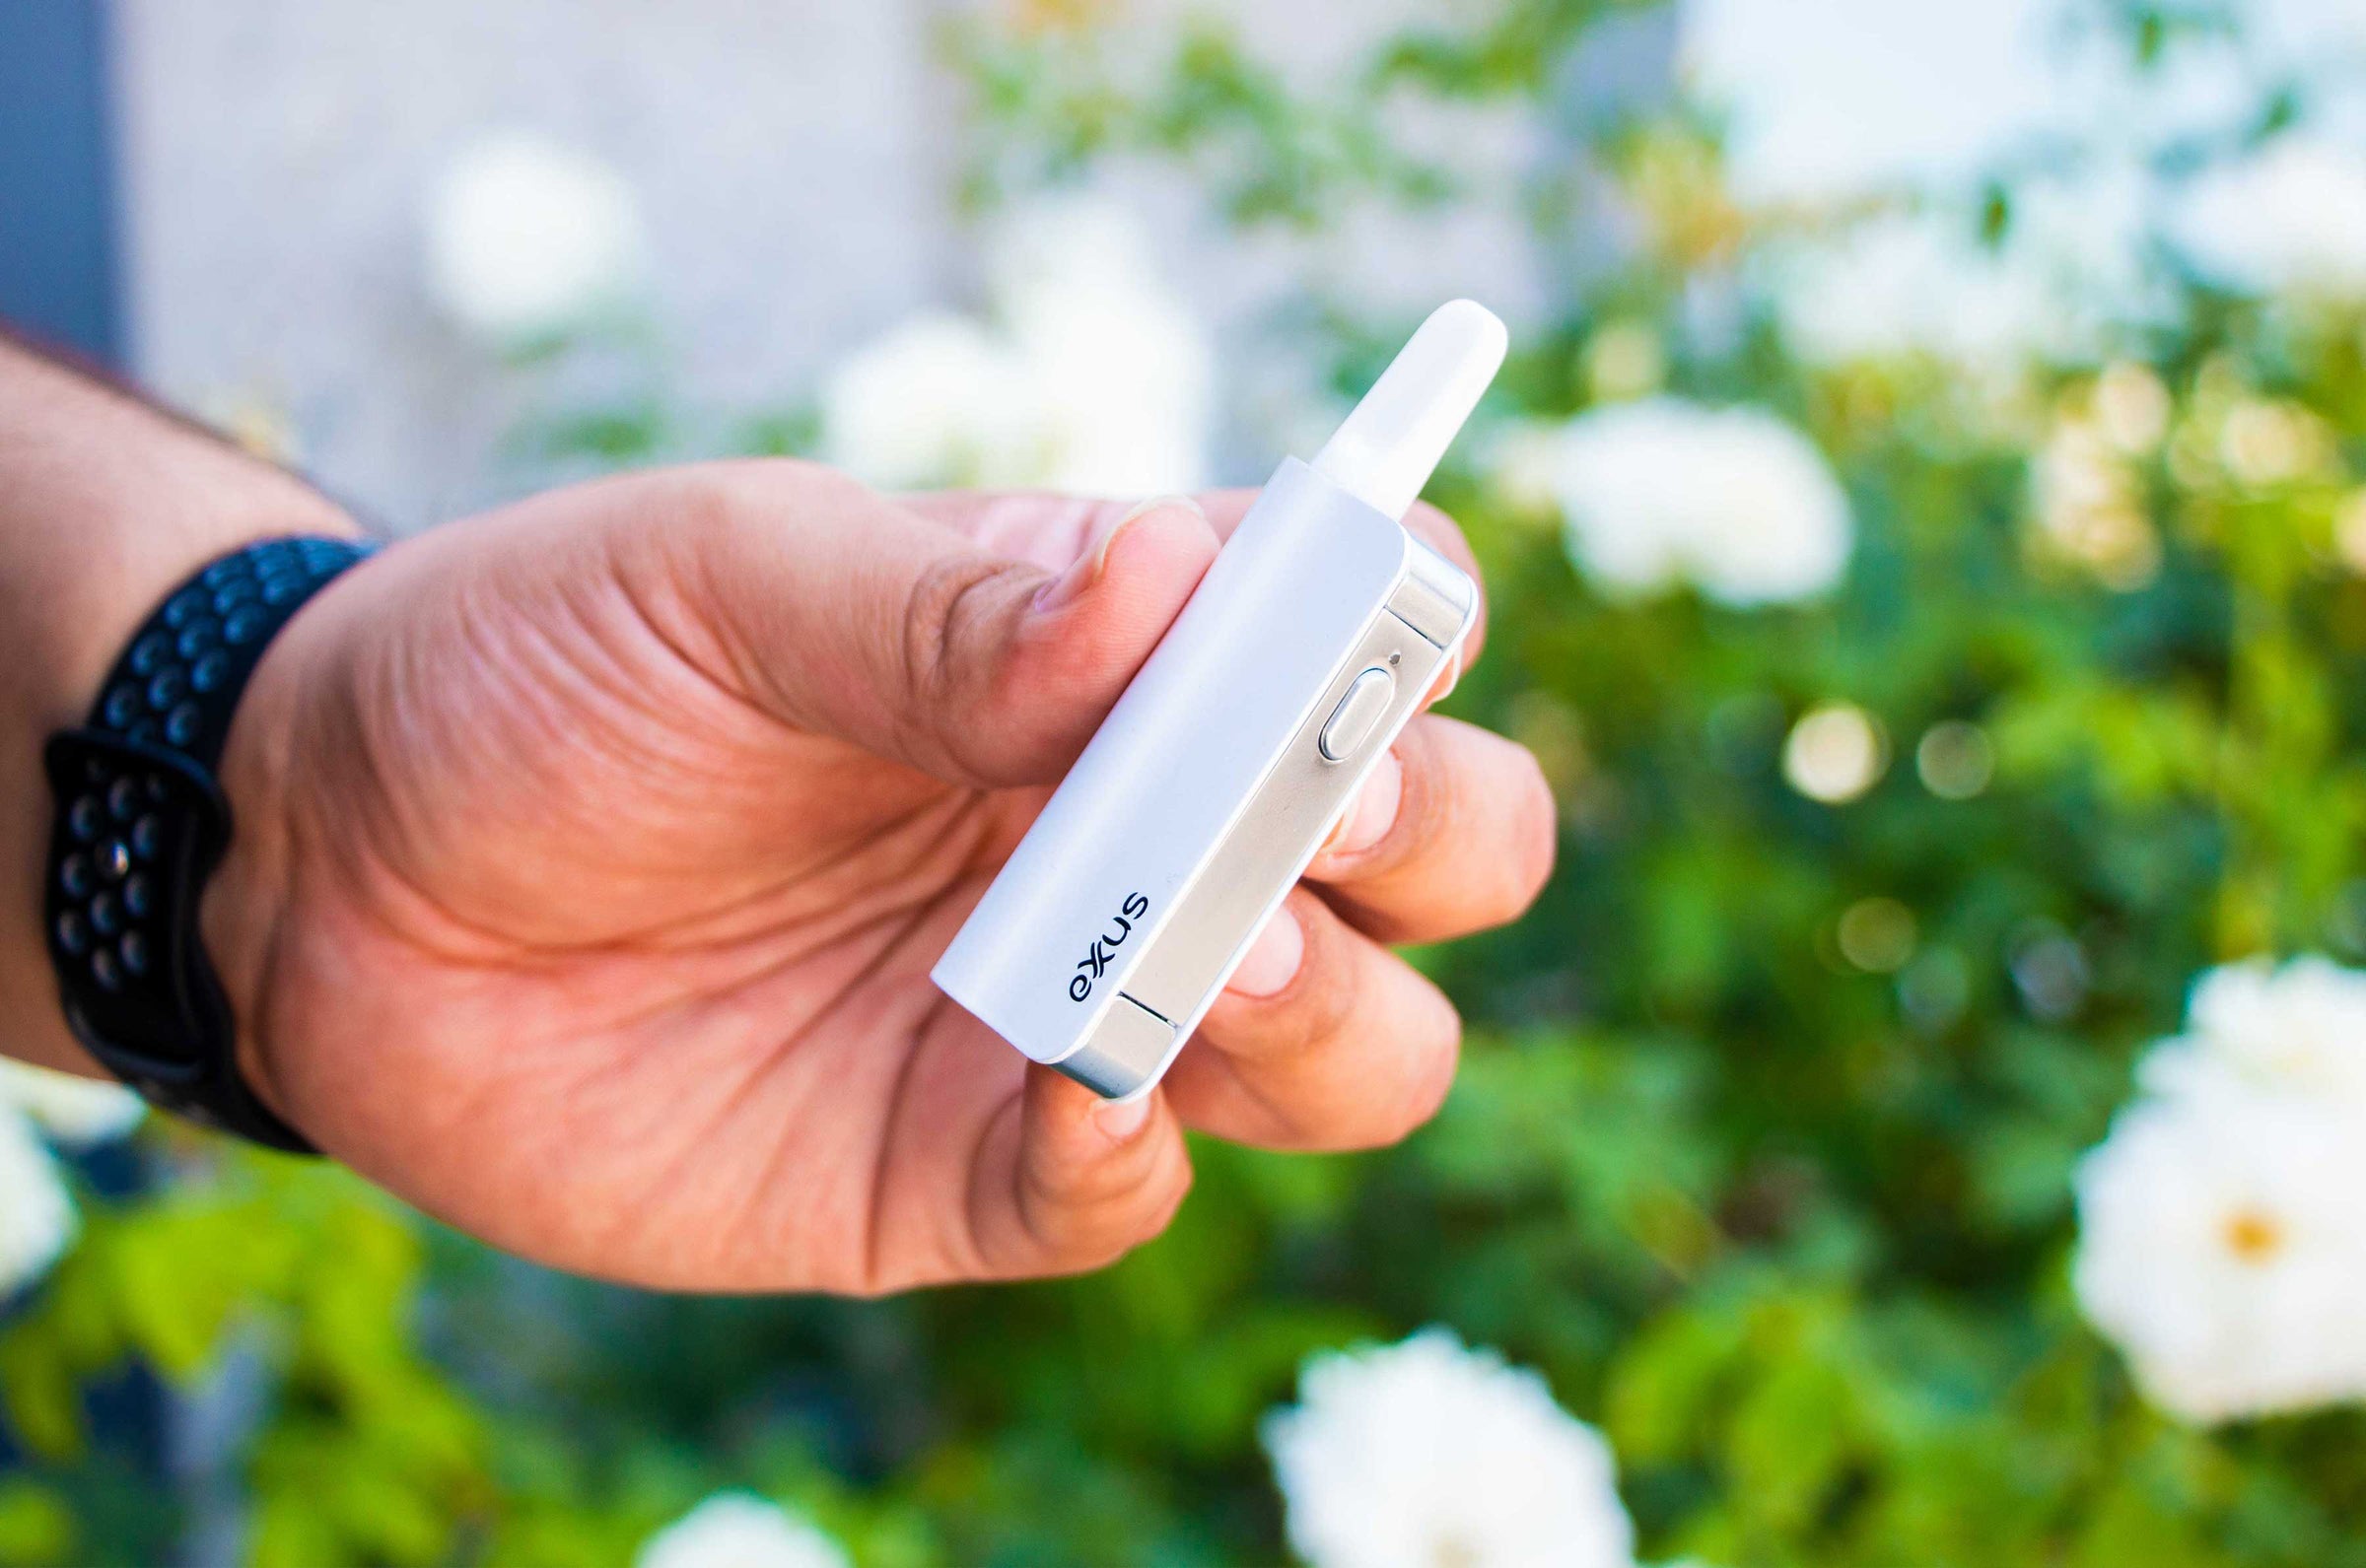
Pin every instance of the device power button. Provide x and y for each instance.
(1350, 724)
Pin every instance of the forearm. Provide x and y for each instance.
(104, 505)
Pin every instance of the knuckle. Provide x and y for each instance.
(1428, 1079)
(1534, 839)
(726, 492)
(700, 502)
(871, 1286)
(1318, 1008)
(1100, 1228)
(940, 605)
(1440, 1065)
(711, 508)
(950, 601)
(811, 480)
(1429, 809)
(1439, 798)
(1171, 1189)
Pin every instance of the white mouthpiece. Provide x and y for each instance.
(1391, 441)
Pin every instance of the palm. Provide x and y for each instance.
(576, 870)
(591, 859)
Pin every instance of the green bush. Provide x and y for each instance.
(1762, 1149)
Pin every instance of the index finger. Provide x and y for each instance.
(1052, 529)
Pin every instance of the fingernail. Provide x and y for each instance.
(1273, 959)
(1087, 567)
(1375, 809)
(1120, 1119)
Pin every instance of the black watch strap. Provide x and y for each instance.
(142, 823)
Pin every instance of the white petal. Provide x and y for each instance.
(1734, 500)
(738, 1530)
(526, 239)
(2222, 1245)
(72, 1110)
(1425, 1452)
(37, 1217)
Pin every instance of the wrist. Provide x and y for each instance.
(63, 679)
(105, 505)
(144, 826)
(247, 901)
(98, 552)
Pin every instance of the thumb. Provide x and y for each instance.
(1088, 1180)
(850, 616)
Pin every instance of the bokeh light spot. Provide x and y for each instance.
(1955, 760)
(1834, 753)
(1877, 936)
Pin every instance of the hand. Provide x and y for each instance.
(591, 857)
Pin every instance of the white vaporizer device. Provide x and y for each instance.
(1313, 638)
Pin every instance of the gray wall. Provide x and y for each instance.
(277, 154)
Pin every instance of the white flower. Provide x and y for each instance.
(1426, 1453)
(1903, 283)
(936, 401)
(2294, 217)
(2222, 1245)
(1733, 501)
(738, 1530)
(1091, 377)
(1522, 459)
(73, 1109)
(1125, 371)
(2299, 1029)
(527, 239)
(37, 1216)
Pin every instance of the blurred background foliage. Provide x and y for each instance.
(1762, 1148)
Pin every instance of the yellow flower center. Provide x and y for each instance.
(2253, 1237)
(1059, 16)
(1452, 1552)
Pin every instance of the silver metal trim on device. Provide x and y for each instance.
(1435, 598)
(1285, 822)
(1125, 1051)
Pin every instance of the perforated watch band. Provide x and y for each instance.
(142, 823)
